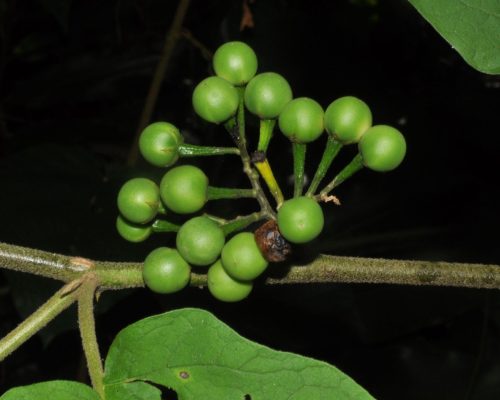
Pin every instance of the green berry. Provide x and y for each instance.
(225, 288)
(159, 144)
(200, 241)
(382, 148)
(215, 99)
(165, 271)
(132, 232)
(347, 119)
(138, 200)
(302, 120)
(236, 62)
(300, 219)
(183, 189)
(241, 257)
(266, 95)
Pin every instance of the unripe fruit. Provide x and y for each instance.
(241, 257)
(225, 288)
(215, 99)
(266, 95)
(183, 189)
(138, 200)
(236, 62)
(200, 241)
(302, 120)
(347, 119)
(300, 219)
(383, 148)
(165, 271)
(159, 144)
(132, 232)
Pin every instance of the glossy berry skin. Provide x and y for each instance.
(165, 271)
(159, 144)
(236, 62)
(183, 189)
(200, 241)
(215, 99)
(241, 257)
(138, 200)
(132, 232)
(223, 287)
(300, 219)
(266, 95)
(347, 119)
(382, 147)
(302, 120)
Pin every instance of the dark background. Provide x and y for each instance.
(73, 81)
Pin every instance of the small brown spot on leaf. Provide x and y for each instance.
(184, 375)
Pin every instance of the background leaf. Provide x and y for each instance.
(472, 27)
(54, 390)
(198, 356)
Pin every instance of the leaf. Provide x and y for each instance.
(53, 390)
(199, 357)
(472, 27)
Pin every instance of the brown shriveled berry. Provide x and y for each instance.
(273, 246)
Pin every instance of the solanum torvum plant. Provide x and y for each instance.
(228, 250)
(188, 350)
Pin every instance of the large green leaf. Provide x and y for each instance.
(53, 390)
(472, 27)
(199, 357)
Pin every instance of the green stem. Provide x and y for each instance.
(192, 150)
(86, 323)
(161, 209)
(218, 220)
(323, 269)
(267, 174)
(161, 225)
(240, 223)
(299, 159)
(59, 302)
(266, 134)
(237, 131)
(332, 148)
(231, 126)
(42, 263)
(354, 166)
(217, 193)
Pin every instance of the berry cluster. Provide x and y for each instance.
(235, 259)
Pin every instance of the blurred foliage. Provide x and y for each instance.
(73, 80)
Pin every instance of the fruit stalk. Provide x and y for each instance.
(239, 131)
(241, 222)
(217, 193)
(265, 134)
(161, 225)
(299, 159)
(332, 148)
(262, 164)
(192, 150)
(350, 169)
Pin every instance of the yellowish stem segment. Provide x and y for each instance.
(266, 172)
